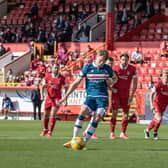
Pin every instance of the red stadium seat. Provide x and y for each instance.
(142, 71)
(140, 78)
(139, 85)
(147, 79)
(144, 85)
(161, 64)
(155, 78)
(143, 37)
(151, 71)
(67, 9)
(158, 71)
(163, 59)
(151, 31)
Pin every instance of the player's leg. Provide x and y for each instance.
(102, 104)
(91, 120)
(79, 121)
(45, 122)
(54, 110)
(158, 118)
(113, 124)
(93, 125)
(6, 113)
(78, 124)
(124, 124)
(115, 105)
(47, 110)
(155, 123)
(34, 110)
(39, 111)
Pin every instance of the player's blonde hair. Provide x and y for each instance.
(103, 53)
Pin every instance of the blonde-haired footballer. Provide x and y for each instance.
(95, 75)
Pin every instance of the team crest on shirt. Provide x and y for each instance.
(128, 73)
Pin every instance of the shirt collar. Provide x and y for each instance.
(55, 76)
(94, 64)
(123, 67)
(164, 83)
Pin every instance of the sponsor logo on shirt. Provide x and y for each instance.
(123, 77)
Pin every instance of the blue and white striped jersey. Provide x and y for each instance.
(95, 79)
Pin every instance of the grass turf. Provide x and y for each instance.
(21, 146)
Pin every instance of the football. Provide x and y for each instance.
(77, 143)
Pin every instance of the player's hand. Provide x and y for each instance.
(152, 108)
(130, 100)
(62, 100)
(42, 98)
(65, 102)
(114, 90)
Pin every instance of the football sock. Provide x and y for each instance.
(151, 125)
(45, 123)
(78, 125)
(113, 124)
(91, 120)
(52, 123)
(124, 124)
(156, 125)
(90, 131)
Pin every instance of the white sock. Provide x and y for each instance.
(78, 126)
(91, 130)
(91, 120)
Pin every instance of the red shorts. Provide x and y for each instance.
(159, 107)
(49, 103)
(120, 101)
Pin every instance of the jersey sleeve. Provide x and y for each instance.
(44, 80)
(134, 73)
(83, 72)
(64, 82)
(155, 88)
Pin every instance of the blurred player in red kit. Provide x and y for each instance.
(53, 82)
(121, 96)
(158, 103)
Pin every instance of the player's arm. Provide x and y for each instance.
(151, 100)
(66, 89)
(43, 85)
(75, 83)
(135, 81)
(71, 89)
(112, 78)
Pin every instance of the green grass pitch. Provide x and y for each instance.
(22, 147)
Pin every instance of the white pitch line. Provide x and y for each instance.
(31, 138)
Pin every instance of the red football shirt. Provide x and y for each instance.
(125, 76)
(161, 90)
(54, 85)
